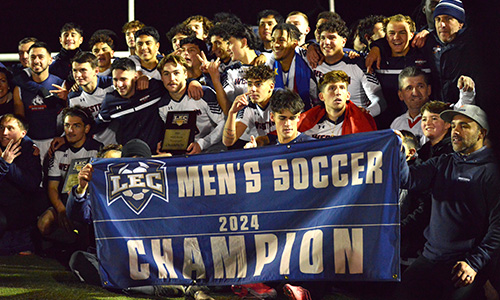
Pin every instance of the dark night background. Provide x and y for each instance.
(43, 19)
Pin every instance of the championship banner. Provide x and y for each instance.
(320, 210)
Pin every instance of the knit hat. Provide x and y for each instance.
(452, 8)
(470, 111)
(136, 147)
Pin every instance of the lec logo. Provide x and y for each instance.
(136, 183)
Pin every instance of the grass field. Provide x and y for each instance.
(34, 277)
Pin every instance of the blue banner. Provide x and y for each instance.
(321, 210)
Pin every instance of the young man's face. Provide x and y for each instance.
(146, 47)
(220, 47)
(75, 130)
(124, 82)
(236, 49)
(174, 77)
(176, 41)
(130, 36)
(266, 26)
(433, 126)
(414, 92)
(335, 96)
(378, 31)
(70, 40)
(83, 73)
(10, 130)
(197, 27)
(23, 54)
(447, 27)
(399, 37)
(286, 125)
(283, 45)
(260, 91)
(39, 60)
(190, 52)
(466, 135)
(4, 85)
(331, 43)
(104, 54)
(300, 22)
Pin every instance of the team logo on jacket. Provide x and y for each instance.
(136, 183)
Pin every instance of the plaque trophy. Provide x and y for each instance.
(180, 129)
(72, 175)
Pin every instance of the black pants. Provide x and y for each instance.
(426, 279)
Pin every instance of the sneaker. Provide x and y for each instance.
(201, 295)
(254, 291)
(296, 292)
(191, 291)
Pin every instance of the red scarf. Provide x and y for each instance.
(355, 120)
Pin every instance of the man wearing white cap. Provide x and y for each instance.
(464, 230)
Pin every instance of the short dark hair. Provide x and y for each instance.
(293, 31)
(365, 26)
(103, 36)
(334, 26)
(40, 44)
(149, 31)
(26, 40)
(85, 57)
(241, 31)
(71, 26)
(285, 99)
(78, 111)
(221, 30)
(9, 77)
(107, 148)
(172, 58)
(179, 28)
(270, 12)
(329, 16)
(225, 17)
(195, 41)
(435, 107)
(334, 77)
(261, 72)
(125, 64)
(410, 139)
(132, 24)
(21, 121)
(411, 71)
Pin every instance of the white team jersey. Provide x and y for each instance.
(61, 160)
(365, 89)
(257, 120)
(154, 73)
(209, 117)
(325, 128)
(233, 82)
(405, 122)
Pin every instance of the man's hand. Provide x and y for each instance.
(314, 55)
(195, 91)
(193, 148)
(239, 103)
(210, 67)
(61, 92)
(75, 87)
(84, 177)
(463, 274)
(142, 83)
(373, 56)
(251, 144)
(465, 83)
(353, 54)
(260, 60)
(56, 143)
(12, 151)
(420, 38)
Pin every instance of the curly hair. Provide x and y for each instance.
(261, 72)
